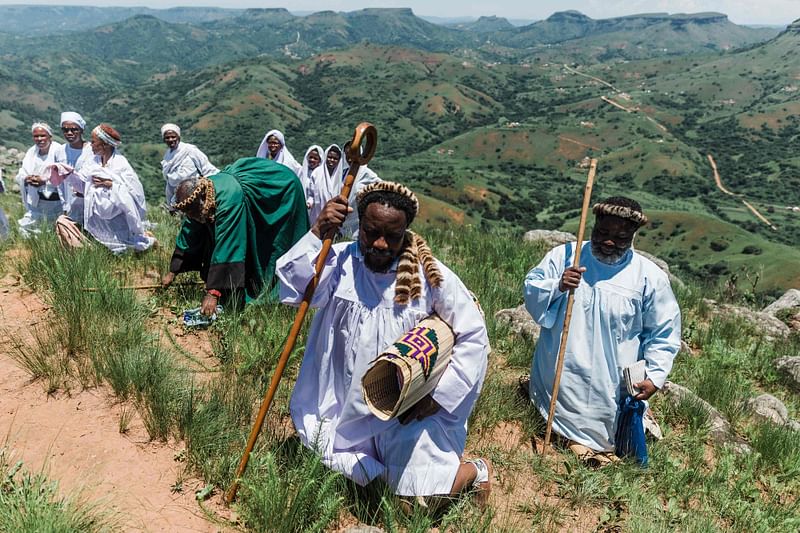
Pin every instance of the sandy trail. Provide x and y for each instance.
(76, 440)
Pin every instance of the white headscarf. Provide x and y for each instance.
(306, 175)
(284, 156)
(105, 137)
(170, 127)
(42, 125)
(324, 185)
(71, 116)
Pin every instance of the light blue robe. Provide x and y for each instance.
(622, 313)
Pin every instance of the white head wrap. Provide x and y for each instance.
(263, 150)
(71, 116)
(105, 137)
(42, 125)
(170, 127)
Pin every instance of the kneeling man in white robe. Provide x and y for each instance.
(370, 293)
(624, 311)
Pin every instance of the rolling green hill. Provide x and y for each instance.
(495, 143)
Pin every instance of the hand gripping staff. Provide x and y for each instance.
(361, 150)
(587, 196)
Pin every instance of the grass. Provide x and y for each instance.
(116, 337)
(29, 503)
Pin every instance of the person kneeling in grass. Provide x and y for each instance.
(370, 293)
(238, 223)
(624, 311)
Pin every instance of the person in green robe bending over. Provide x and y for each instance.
(238, 223)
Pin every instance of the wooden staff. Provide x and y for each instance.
(587, 196)
(358, 155)
(147, 286)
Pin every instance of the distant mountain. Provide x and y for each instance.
(485, 25)
(44, 20)
(643, 33)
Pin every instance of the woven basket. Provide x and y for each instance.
(409, 369)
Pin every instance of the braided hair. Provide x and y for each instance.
(196, 193)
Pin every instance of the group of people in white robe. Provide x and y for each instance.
(624, 309)
(67, 183)
(82, 183)
(321, 174)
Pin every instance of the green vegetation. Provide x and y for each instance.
(493, 125)
(29, 503)
(691, 485)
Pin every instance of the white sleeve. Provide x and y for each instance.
(467, 368)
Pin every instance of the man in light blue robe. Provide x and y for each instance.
(624, 311)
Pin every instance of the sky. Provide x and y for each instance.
(738, 11)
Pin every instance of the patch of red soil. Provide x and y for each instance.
(76, 440)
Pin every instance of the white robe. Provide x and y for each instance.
(324, 184)
(115, 216)
(364, 177)
(73, 186)
(38, 210)
(184, 162)
(284, 156)
(356, 320)
(305, 174)
(622, 313)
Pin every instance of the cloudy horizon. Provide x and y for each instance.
(772, 12)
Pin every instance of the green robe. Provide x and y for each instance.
(261, 212)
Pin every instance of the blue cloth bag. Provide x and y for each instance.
(629, 439)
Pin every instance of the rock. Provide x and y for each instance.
(519, 321)
(719, 428)
(660, 263)
(551, 238)
(768, 407)
(790, 298)
(790, 367)
(685, 348)
(772, 327)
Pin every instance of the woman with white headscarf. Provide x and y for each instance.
(41, 199)
(182, 161)
(326, 183)
(114, 204)
(312, 162)
(273, 147)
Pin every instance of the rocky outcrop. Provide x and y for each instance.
(764, 322)
(790, 299)
(551, 238)
(790, 368)
(660, 263)
(767, 408)
(719, 429)
(519, 321)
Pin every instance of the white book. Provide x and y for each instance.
(632, 374)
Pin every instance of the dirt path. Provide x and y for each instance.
(76, 440)
(748, 205)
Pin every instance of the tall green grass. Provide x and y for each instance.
(30, 503)
(115, 337)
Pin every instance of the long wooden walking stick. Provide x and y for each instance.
(361, 150)
(146, 286)
(587, 196)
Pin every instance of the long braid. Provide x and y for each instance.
(408, 285)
